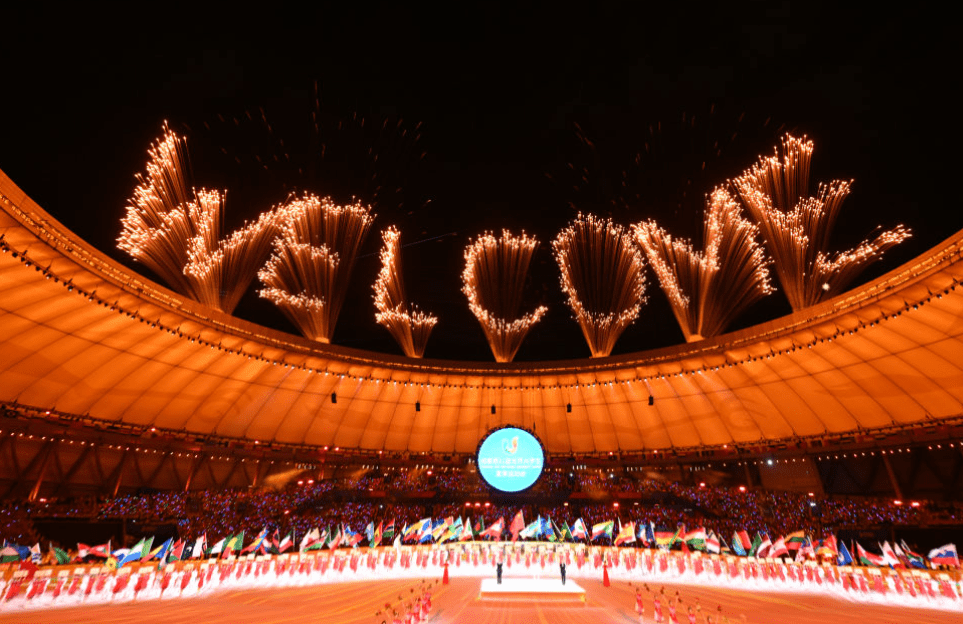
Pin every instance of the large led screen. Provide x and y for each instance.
(510, 459)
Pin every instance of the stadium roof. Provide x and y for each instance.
(82, 334)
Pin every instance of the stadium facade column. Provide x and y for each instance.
(745, 466)
(892, 477)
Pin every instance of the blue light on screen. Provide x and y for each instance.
(510, 459)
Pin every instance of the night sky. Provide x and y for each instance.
(675, 101)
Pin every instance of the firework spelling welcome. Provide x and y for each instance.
(493, 281)
(177, 233)
(409, 327)
(604, 278)
(708, 289)
(797, 227)
(308, 273)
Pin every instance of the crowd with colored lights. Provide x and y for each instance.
(356, 502)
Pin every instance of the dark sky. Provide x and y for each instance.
(698, 95)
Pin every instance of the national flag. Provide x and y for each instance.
(162, 552)
(379, 533)
(915, 560)
(198, 548)
(665, 538)
(626, 534)
(369, 533)
(466, 532)
(440, 528)
(889, 557)
(478, 529)
(334, 539)
(566, 532)
(156, 551)
(177, 551)
(603, 528)
(827, 548)
(754, 546)
(551, 530)
(649, 538)
(779, 548)
(453, 530)
(132, 554)
(286, 543)
(218, 547)
(518, 523)
(712, 543)
(410, 531)
(310, 538)
(742, 538)
(495, 530)
(795, 541)
(945, 555)
(579, 530)
(233, 545)
(806, 551)
(903, 559)
(868, 558)
(120, 552)
(696, 538)
(270, 544)
(422, 527)
(765, 545)
(59, 555)
(102, 551)
(532, 530)
(844, 558)
(389, 532)
(35, 554)
(352, 538)
(257, 542)
(9, 554)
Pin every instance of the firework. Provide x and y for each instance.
(309, 270)
(604, 278)
(159, 222)
(177, 233)
(797, 227)
(494, 281)
(410, 327)
(708, 289)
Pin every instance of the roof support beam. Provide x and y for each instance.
(62, 487)
(117, 476)
(190, 476)
(892, 477)
(45, 454)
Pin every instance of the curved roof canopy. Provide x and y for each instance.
(82, 334)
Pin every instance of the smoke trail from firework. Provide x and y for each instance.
(494, 280)
(308, 273)
(604, 278)
(177, 232)
(797, 227)
(409, 327)
(708, 289)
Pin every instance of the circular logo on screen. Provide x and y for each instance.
(510, 459)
